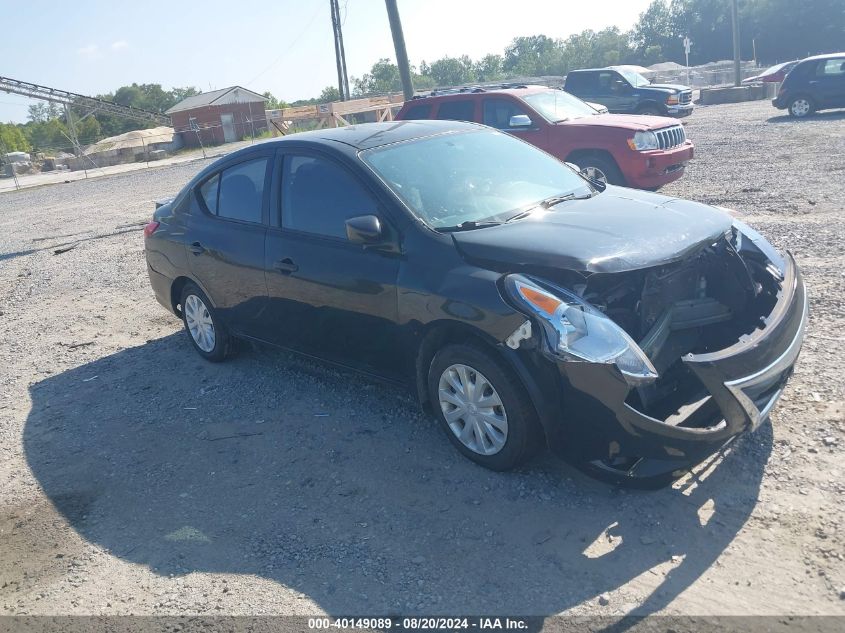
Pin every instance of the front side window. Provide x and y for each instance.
(459, 110)
(318, 196)
(557, 105)
(474, 176)
(498, 113)
(237, 192)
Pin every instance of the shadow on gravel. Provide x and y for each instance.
(339, 489)
(836, 115)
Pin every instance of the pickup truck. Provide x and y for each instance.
(627, 92)
(645, 152)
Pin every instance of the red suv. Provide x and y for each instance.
(639, 151)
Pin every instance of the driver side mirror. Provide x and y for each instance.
(520, 120)
(364, 229)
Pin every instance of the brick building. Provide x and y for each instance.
(219, 116)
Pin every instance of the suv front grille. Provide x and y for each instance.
(685, 97)
(670, 137)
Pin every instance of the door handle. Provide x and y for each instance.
(286, 266)
(197, 248)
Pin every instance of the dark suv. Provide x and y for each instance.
(817, 83)
(627, 92)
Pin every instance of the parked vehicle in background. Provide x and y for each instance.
(624, 91)
(773, 74)
(632, 333)
(816, 83)
(641, 152)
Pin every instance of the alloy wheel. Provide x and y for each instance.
(800, 107)
(200, 324)
(473, 409)
(594, 173)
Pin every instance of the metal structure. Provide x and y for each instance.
(34, 91)
(399, 46)
(90, 105)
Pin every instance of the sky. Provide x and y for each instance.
(284, 46)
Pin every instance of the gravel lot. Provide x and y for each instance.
(137, 478)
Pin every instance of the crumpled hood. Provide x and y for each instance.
(615, 231)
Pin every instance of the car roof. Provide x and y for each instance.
(463, 91)
(369, 135)
(825, 56)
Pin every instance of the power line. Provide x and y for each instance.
(289, 48)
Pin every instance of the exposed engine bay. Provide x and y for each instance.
(704, 303)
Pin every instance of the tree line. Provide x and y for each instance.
(776, 30)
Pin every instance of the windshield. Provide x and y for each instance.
(635, 79)
(557, 105)
(474, 176)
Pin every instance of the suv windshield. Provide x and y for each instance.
(469, 177)
(557, 105)
(635, 79)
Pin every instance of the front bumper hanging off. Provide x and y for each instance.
(743, 381)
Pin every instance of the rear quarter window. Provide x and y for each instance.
(576, 82)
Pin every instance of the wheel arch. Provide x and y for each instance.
(440, 333)
(176, 292)
(651, 103)
(579, 154)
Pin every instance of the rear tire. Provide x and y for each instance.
(600, 168)
(801, 107)
(482, 407)
(206, 332)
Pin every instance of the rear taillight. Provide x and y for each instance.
(150, 228)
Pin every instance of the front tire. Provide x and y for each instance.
(482, 407)
(601, 169)
(650, 110)
(801, 107)
(205, 330)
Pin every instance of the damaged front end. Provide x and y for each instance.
(717, 336)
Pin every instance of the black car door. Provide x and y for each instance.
(226, 238)
(328, 296)
(829, 83)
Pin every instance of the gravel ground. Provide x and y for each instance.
(136, 478)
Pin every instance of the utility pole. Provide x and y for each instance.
(340, 54)
(399, 45)
(735, 23)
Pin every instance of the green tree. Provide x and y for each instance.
(272, 102)
(534, 55)
(12, 139)
(383, 78)
(329, 94)
(453, 71)
(490, 67)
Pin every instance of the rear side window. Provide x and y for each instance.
(832, 67)
(578, 82)
(460, 110)
(236, 193)
(318, 196)
(419, 111)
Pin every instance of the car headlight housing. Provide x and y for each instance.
(576, 330)
(643, 141)
(672, 100)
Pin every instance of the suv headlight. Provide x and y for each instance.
(643, 141)
(575, 329)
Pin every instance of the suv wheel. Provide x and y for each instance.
(800, 107)
(650, 109)
(481, 406)
(601, 169)
(207, 334)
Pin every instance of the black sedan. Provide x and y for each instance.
(632, 333)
